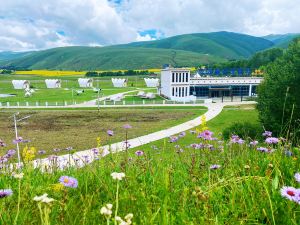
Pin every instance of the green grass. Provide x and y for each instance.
(63, 94)
(165, 187)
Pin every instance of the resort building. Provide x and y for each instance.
(178, 84)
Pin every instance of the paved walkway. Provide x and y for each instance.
(82, 158)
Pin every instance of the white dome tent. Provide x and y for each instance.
(21, 84)
(85, 82)
(119, 82)
(152, 82)
(53, 83)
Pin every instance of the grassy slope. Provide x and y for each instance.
(281, 41)
(182, 50)
(223, 44)
(96, 58)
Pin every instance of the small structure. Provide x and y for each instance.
(152, 82)
(141, 94)
(85, 82)
(117, 97)
(150, 95)
(21, 84)
(119, 82)
(53, 83)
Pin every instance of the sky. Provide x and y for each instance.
(41, 24)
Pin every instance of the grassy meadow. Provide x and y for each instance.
(52, 129)
(165, 183)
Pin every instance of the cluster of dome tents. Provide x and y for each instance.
(83, 83)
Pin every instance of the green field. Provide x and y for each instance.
(66, 93)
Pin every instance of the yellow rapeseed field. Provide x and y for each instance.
(50, 72)
(68, 72)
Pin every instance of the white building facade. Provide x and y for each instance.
(179, 85)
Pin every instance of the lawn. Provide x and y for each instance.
(169, 183)
(79, 128)
(66, 93)
(227, 117)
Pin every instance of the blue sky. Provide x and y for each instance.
(41, 24)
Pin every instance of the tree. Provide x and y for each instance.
(279, 94)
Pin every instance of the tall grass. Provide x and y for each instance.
(168, 184)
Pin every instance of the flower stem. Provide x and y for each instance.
(19, 200)
(117, 202)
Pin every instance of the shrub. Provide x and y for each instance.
(243, 130)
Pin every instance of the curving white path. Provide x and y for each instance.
(82, 158)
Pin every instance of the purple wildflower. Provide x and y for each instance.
(173, 139)
(110, 133)
(206, 135)
(139, 153)
(214, 167)
(267, 133)
(52, 157)
(56, 150)
(291, 193)
(68, 181)
(182, 134)
(2, 144)
(272, 140)
(240, 141)
(127, 126)
(262, 149)
(95, 151)
(5, 192)
(236, 139)
(11, 152)
(69, 148)
(297, 177)
(41, 152)
(18, 140)
(253, 143)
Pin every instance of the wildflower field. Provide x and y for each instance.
(195, 177)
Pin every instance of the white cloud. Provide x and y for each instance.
(146, 37)
(37, 24)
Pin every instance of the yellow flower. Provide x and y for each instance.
(98, 142)
(57, 187)
(28, 153)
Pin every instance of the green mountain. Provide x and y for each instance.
(181, 50)
(281, 40)
(227, 45)
(106, 58)
(12, 55)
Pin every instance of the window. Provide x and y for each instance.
(176, 77)
(172, 91)
(173, 77)
(187, 77)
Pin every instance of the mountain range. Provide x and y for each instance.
(182, 50)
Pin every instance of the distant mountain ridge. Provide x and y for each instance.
(182, 50)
